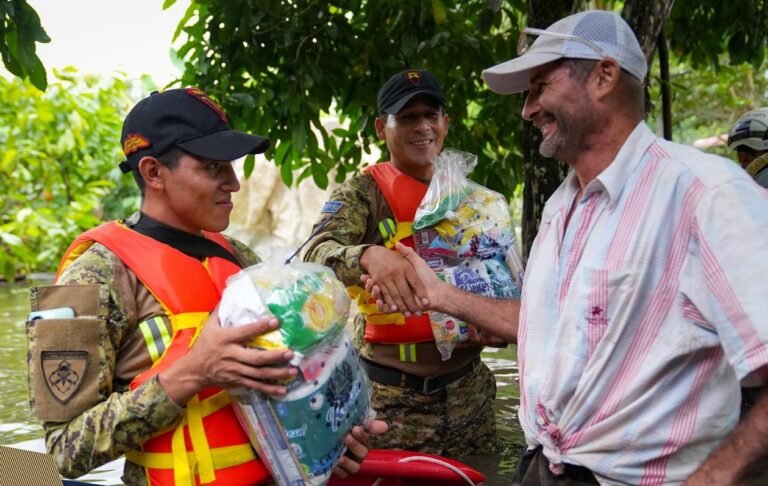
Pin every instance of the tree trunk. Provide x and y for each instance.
(542, 174)
(647, 19)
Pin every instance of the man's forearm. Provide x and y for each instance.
(500, 317)
(111, 428)
(741, 454)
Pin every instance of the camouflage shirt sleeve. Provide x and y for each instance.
(341, 242)
(126, 418)
(243, 252)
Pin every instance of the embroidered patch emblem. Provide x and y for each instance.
(414, 77)
(134, 142)
(332, 207)
(201, 96)
(64, 372)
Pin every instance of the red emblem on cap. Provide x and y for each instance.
(201, 96)
(134, 142)
(414, 77)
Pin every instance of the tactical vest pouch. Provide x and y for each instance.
(66, 355)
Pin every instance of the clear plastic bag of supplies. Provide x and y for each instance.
(299, 436)
(464, 232)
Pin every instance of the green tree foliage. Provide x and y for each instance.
(707, 102)
(280, 66)
(20, 30)
(58, 166)
(701, 31)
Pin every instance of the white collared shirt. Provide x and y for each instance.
(641, 317)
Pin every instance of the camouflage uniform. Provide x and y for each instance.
(458, 419)
(758, 169)
(120, 419)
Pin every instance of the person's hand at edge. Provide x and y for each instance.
(357, 447)
(220, 357)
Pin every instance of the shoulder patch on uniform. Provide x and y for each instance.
(332, 207)
(64, 372)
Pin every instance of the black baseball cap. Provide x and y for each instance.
(186, 118)
(400, 88)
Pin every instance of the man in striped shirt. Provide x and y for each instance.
(644, 301)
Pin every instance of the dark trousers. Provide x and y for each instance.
(533, 470)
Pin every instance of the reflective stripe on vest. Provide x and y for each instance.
(388, 230)
(155, 336)
(408, 352)
(187, 291)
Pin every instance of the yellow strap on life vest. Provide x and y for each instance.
(358, 294)
(187, 320)
(393, 232)
(382, 319)
(182, 462)
(214, 403)
(371, 312)
(200, 441)
(74, 255)
(223, 457)
(155, 332)
(202, 457)
(408, 352)
(404, 230)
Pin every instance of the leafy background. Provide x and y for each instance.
(286, 68)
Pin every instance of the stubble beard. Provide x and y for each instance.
(571, 135)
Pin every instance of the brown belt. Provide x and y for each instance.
(427, 385)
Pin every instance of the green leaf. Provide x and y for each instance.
(286, 174)
(243, 99)
(438, 12)
(299, 139)
(320, 176)
(193, 7)
(168, 3)
(248, 165)
(10, 239)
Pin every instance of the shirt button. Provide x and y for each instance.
(540, 421)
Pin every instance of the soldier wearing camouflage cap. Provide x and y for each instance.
(140, 361)
(749, 138)
(431, 405)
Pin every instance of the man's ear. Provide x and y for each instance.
(152, 171)
(605, 76)
(380, 123)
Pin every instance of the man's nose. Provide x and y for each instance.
(423, 122)
(530, 107)
(231, 183)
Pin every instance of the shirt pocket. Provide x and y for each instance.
(610, 297)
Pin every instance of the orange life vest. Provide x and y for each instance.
(208, 446)
(403, 193)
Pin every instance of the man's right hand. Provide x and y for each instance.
(397, 281)
(220, 357)
(429, 289)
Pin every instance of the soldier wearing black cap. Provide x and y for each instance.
(431, 405)
(135, 362)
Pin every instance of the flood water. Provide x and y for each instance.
(17, 423)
